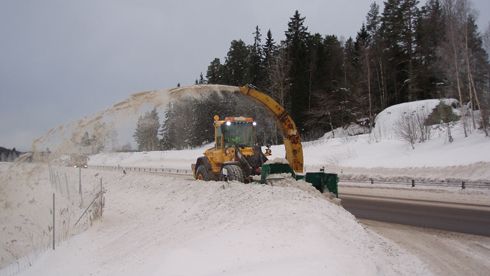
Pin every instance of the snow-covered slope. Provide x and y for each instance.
(387, 120)
(155, 225)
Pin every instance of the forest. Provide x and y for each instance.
(405, 52)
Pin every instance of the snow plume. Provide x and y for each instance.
(112, 128)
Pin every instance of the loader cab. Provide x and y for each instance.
(235, 132)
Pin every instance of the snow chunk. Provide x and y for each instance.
(277, 161)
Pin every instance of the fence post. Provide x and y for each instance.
(101, 197)
(80, 185)
(413, 183)
(463, 186)
(54, 212)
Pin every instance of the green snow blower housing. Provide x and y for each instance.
(323, 182)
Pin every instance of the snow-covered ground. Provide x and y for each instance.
(446, 253)
(157, 225)
(26, 198)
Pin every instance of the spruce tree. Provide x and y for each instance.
(296, 43)
(256, 72)
(237, 64)
(429, 36)
(410, 14)
(146, 133)
(269, 50)
(215, 72)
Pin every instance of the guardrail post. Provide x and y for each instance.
(54, 224)
(463, 186)
(101, 193)
(413, 183)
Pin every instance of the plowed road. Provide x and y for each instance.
(456, 217)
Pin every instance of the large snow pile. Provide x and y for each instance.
(156, 225)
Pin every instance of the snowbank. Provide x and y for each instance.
(387, 120)
(156, 225)
(26, 198)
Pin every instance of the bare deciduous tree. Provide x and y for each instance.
(412, 127)
(452, 50)
(407, 128)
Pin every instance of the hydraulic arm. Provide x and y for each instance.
(292, 140)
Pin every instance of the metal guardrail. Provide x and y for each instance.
(454, 183)
(403, 181)
(141, 169)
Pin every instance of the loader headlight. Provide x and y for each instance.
(254, 123)
(228, 123)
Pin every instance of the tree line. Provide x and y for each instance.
(403, 53)
(7, 155)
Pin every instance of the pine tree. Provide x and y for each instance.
(269, 50)
(167, 130)
(317, 76)
(215, 72)
(410, 13)
(256, 72)
(237, 64)
(146, 133)
(392, 31)
(85, 141)
(365, 92)
(296, 43)
(429, 37)
(378, 60)
(201, 79)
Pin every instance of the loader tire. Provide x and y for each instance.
(202, 173)
(233, 173)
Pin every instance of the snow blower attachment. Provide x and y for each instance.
(236, 156)
(324, 182)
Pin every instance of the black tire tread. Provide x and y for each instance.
(235, 173)
(207, 175)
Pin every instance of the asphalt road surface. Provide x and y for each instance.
(464, 218)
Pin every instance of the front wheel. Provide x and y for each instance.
(202, 173)
(232, 173)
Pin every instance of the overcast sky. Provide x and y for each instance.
(62, 60)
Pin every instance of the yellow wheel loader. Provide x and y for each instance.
(236, 155)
